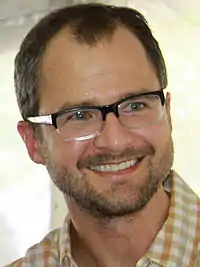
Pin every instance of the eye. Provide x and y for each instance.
(80, 115)
(134, 106)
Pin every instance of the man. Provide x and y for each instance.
(90, 83)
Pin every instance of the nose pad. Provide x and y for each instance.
(109, 109)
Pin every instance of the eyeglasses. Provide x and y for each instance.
(85, 122)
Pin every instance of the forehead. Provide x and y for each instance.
(73, 72)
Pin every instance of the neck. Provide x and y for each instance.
(119, 242)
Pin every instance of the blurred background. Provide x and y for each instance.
(29, 204)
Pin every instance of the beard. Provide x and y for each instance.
(122, 198)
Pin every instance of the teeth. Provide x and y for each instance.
(114, 167)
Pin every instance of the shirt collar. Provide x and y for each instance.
(64, 240)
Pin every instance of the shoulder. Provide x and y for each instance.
(182, 190)
(186, 201)
(42, 253)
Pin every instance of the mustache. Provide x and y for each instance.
(126, 154)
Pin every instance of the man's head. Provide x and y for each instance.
(76, 60)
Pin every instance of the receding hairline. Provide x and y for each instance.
(66, 32)
(69, 32)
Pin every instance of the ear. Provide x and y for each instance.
(32, 143)
(168, 108)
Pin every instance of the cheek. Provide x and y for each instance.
(156, 135)
(67, 154)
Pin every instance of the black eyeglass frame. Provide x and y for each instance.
(51, 119)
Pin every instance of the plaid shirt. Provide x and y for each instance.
(176, 244)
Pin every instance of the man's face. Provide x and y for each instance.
(74, 73)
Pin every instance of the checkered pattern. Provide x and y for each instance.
(176, 245)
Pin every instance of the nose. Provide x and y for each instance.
(114, 137)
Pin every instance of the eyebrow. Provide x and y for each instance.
(94, 102)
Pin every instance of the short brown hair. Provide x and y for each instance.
(89, 23)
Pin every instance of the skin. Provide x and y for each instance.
(118, 208)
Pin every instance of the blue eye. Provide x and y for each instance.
(81, 118)
(134, 106)
(80, 115)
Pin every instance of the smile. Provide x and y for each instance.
(114, 167)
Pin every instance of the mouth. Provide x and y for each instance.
(116, 167)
